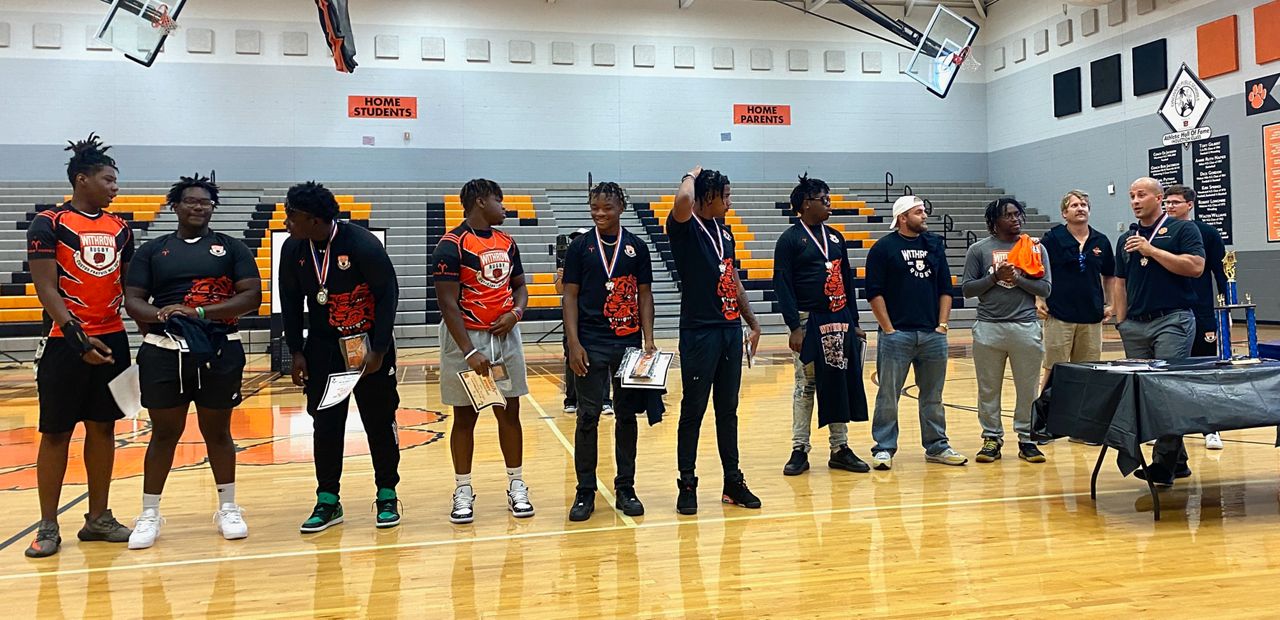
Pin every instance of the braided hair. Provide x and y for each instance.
(476, 190)
(185, 183)
(609, 189)
(709, 185)
(87, 157)
(314, 199)
(996, 209)
(808, 189)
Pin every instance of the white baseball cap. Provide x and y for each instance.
(902, 205)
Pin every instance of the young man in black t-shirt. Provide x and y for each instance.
(608, 308)
(812, 277)
(1179, 202)
(909, 288)
(212, 280)
(713, 304)
(348, 282)
(1156, 268)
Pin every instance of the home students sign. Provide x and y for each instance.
(362, 106)
(758, 114)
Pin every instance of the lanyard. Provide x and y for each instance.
(322, 273)
(609, 265)
(717, 243)
(826, 256)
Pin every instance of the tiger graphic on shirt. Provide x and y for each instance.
(622, 306)
(833, 288)
(727, 289)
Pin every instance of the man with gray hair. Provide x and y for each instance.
(1157, 263)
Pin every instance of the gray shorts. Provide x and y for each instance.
(507, 349)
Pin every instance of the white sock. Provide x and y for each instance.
(226, 493)
(151, 502)
(462, 480)
(514, 473)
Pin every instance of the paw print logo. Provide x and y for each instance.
(1257, 96)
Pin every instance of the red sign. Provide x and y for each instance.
(362, 106)
(761, 114)
(1271, 178)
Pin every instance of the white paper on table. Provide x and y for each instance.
(126, 389)
(338, 387)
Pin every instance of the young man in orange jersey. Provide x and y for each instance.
(79, 254)
(481, 289)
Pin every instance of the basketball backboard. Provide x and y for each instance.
(139, 27)
(943, 48)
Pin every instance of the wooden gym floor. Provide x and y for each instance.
(997, 540)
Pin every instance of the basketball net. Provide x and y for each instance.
(965, 61)
(162, 21)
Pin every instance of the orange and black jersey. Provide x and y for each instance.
(89, 250)
(482, 262)
(362, 287)
(192, 272)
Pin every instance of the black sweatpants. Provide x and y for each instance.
(592, 391)
(710, 359)
(377, 397)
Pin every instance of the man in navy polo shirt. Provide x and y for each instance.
(1156, 268)
(1082, 262)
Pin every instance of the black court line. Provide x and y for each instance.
(31, 528)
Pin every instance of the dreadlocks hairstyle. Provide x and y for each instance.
(996, 208)
(808, 189)
(709, 185)
(609, 189)
(313, 198)
(87, 157)
(476, 190)
(186, 183)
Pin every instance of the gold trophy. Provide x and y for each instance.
(1229, 302)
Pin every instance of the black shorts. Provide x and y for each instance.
(72, 390)
(216, 386)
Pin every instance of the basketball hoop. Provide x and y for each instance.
(162, 21)
(965, 62)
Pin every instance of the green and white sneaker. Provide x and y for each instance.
(326, 514)
(388, 508)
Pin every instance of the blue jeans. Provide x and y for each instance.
(895, 354)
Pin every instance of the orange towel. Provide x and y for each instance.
(1025, 255)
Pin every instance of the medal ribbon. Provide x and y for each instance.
(1156, 230)
(717, 242)
(610, 264)
(322, 273)
(823, 232)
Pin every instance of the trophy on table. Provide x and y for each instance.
(1231, 301)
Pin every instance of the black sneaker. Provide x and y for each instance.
(798, 464)
(47, 542)
(1029, 452)
(845, 459)
(990, 451)
(1160, 475)
(687, 501)
(324, 516)
(388, 509)
(584, 503)
(736, 492)
(628, 503)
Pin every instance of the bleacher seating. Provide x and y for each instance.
(416, 215)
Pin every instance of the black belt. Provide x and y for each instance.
(1151, 316)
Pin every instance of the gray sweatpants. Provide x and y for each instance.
(1022, 346)
(1168, 338)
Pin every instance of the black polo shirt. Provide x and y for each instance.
(1152, 288)
(1077, 282)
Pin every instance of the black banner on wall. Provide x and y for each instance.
(1211, 161)
(1165, 165)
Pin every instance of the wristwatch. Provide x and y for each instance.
(945, 327)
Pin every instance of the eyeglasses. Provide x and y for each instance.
(1174, 203)
(193, 202)
(1012, 215)
(825, 200)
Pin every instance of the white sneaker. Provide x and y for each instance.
(463, 505)
(230, 520)
(518, 499)
(146, 529)
(882, 460)
(947, 457)
(1213, 441)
